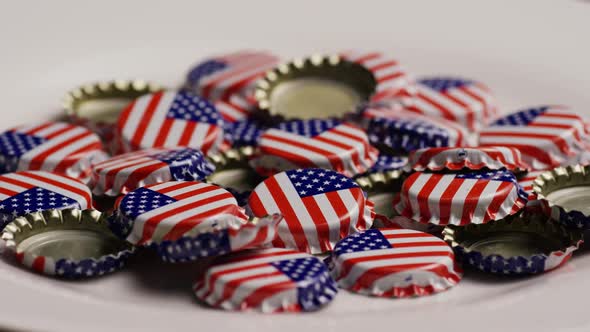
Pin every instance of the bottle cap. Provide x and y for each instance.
(266, 280)
(169, 119)
(56, 147)
(229, 81)
(35, 191)
(392, 262)
(466, 102)
(97, 105)
(460, 198)
(565, 191)
(315, 87)
(319, 208)
(323, 143)
(67, 243)
(406, 131)
(547, 136)
(517, 245)
(132, 170)
(392, 78)
(456, 159)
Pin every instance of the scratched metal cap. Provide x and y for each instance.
(69, 243)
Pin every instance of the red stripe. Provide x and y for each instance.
(420, 244)
(469, 111)
(123, 117)
(216, 275)
(482, 100)
(173, 187)
(289, 215)
(342, 212)
(7, 192)
(210, 138)
(231, 286)
(366, 57)
(471, 201)
(383, 65)
(234, 88)
(187, 133)
(296, 159)
(407, 184)
(61, 131)
(36, 163)
(532, 151)
(237, 69)
(137, 176)
(111, 174)
(41, 127)
(321, 223)
(260, 237)
(39, 264)
(443, 110)
(424, 196)
(61, 185)
(406, 235)
(333, 158)
(255, 298)
(190, 222)
(559, 142)
(501, 194)
(75, 156)
(163, 134)
(146, 119)
(16, 182)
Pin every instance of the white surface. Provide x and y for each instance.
(529, 52)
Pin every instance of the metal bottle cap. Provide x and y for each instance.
(315, 87)
(520, 244)
(69, 243)
(566, 190)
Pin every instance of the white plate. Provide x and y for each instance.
(529, 52)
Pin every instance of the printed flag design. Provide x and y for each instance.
(325, 143)
(33, 191)
(408, 131)
(460, 199)
(171, 210)
(170, 119)
(319, 208)
(229, 81)
(391, 77)
(467, 102)
(394, 262)
(388, 163)
(267, 280)
(547, 136)
(437, 159)
(50, 146)
(132, 170)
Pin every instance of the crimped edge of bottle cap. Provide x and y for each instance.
(24, 227)
(104, 90)
(320, 66)
(537, 223)
(561, 178)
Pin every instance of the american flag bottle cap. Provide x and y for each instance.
(97, 105)
(407, 223)
(26, 192)
(315, 87)
(564, 192)
(229, 81)
(266, 280)
(56, 147)
(319, 208)
(323, 143)
(457, 159)
(382, 182)
(167, 214)
(126, 172)
(547, 136)
(69, 243)
(405, 131)
(168, 119)
(466, 102)
(394, 262)
(518, 245)
(460, 198)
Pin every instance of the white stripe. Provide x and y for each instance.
(473, 104)
(228, 83)
(270, 206)
(403, 250)
(332, 218)
(175, 133)
(303, 216)
(305, 140)
(51, 129)
(122, 176)
(81, 200)
(217, 289)
(316, 159)
(413, 192)
(458, 200)
(507, 153)
(229, 111)
(507, 130)
(420, 278)
(63, 179)
(349, 201)
(165, 185)
(541, 143)
(56, 157)
(27, 157)
(115, 162)
(135, 116)
(258, 260)
(199, 135)
(157, 120)
(508, 203)
(250, 286)
(436, 194)
(11, 186)
(236, 66)
(457, 110)
(386, 71)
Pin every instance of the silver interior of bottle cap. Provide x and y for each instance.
(102, 110)
(510, 244)
(71, 244)
(309, 97)
(572, 198)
